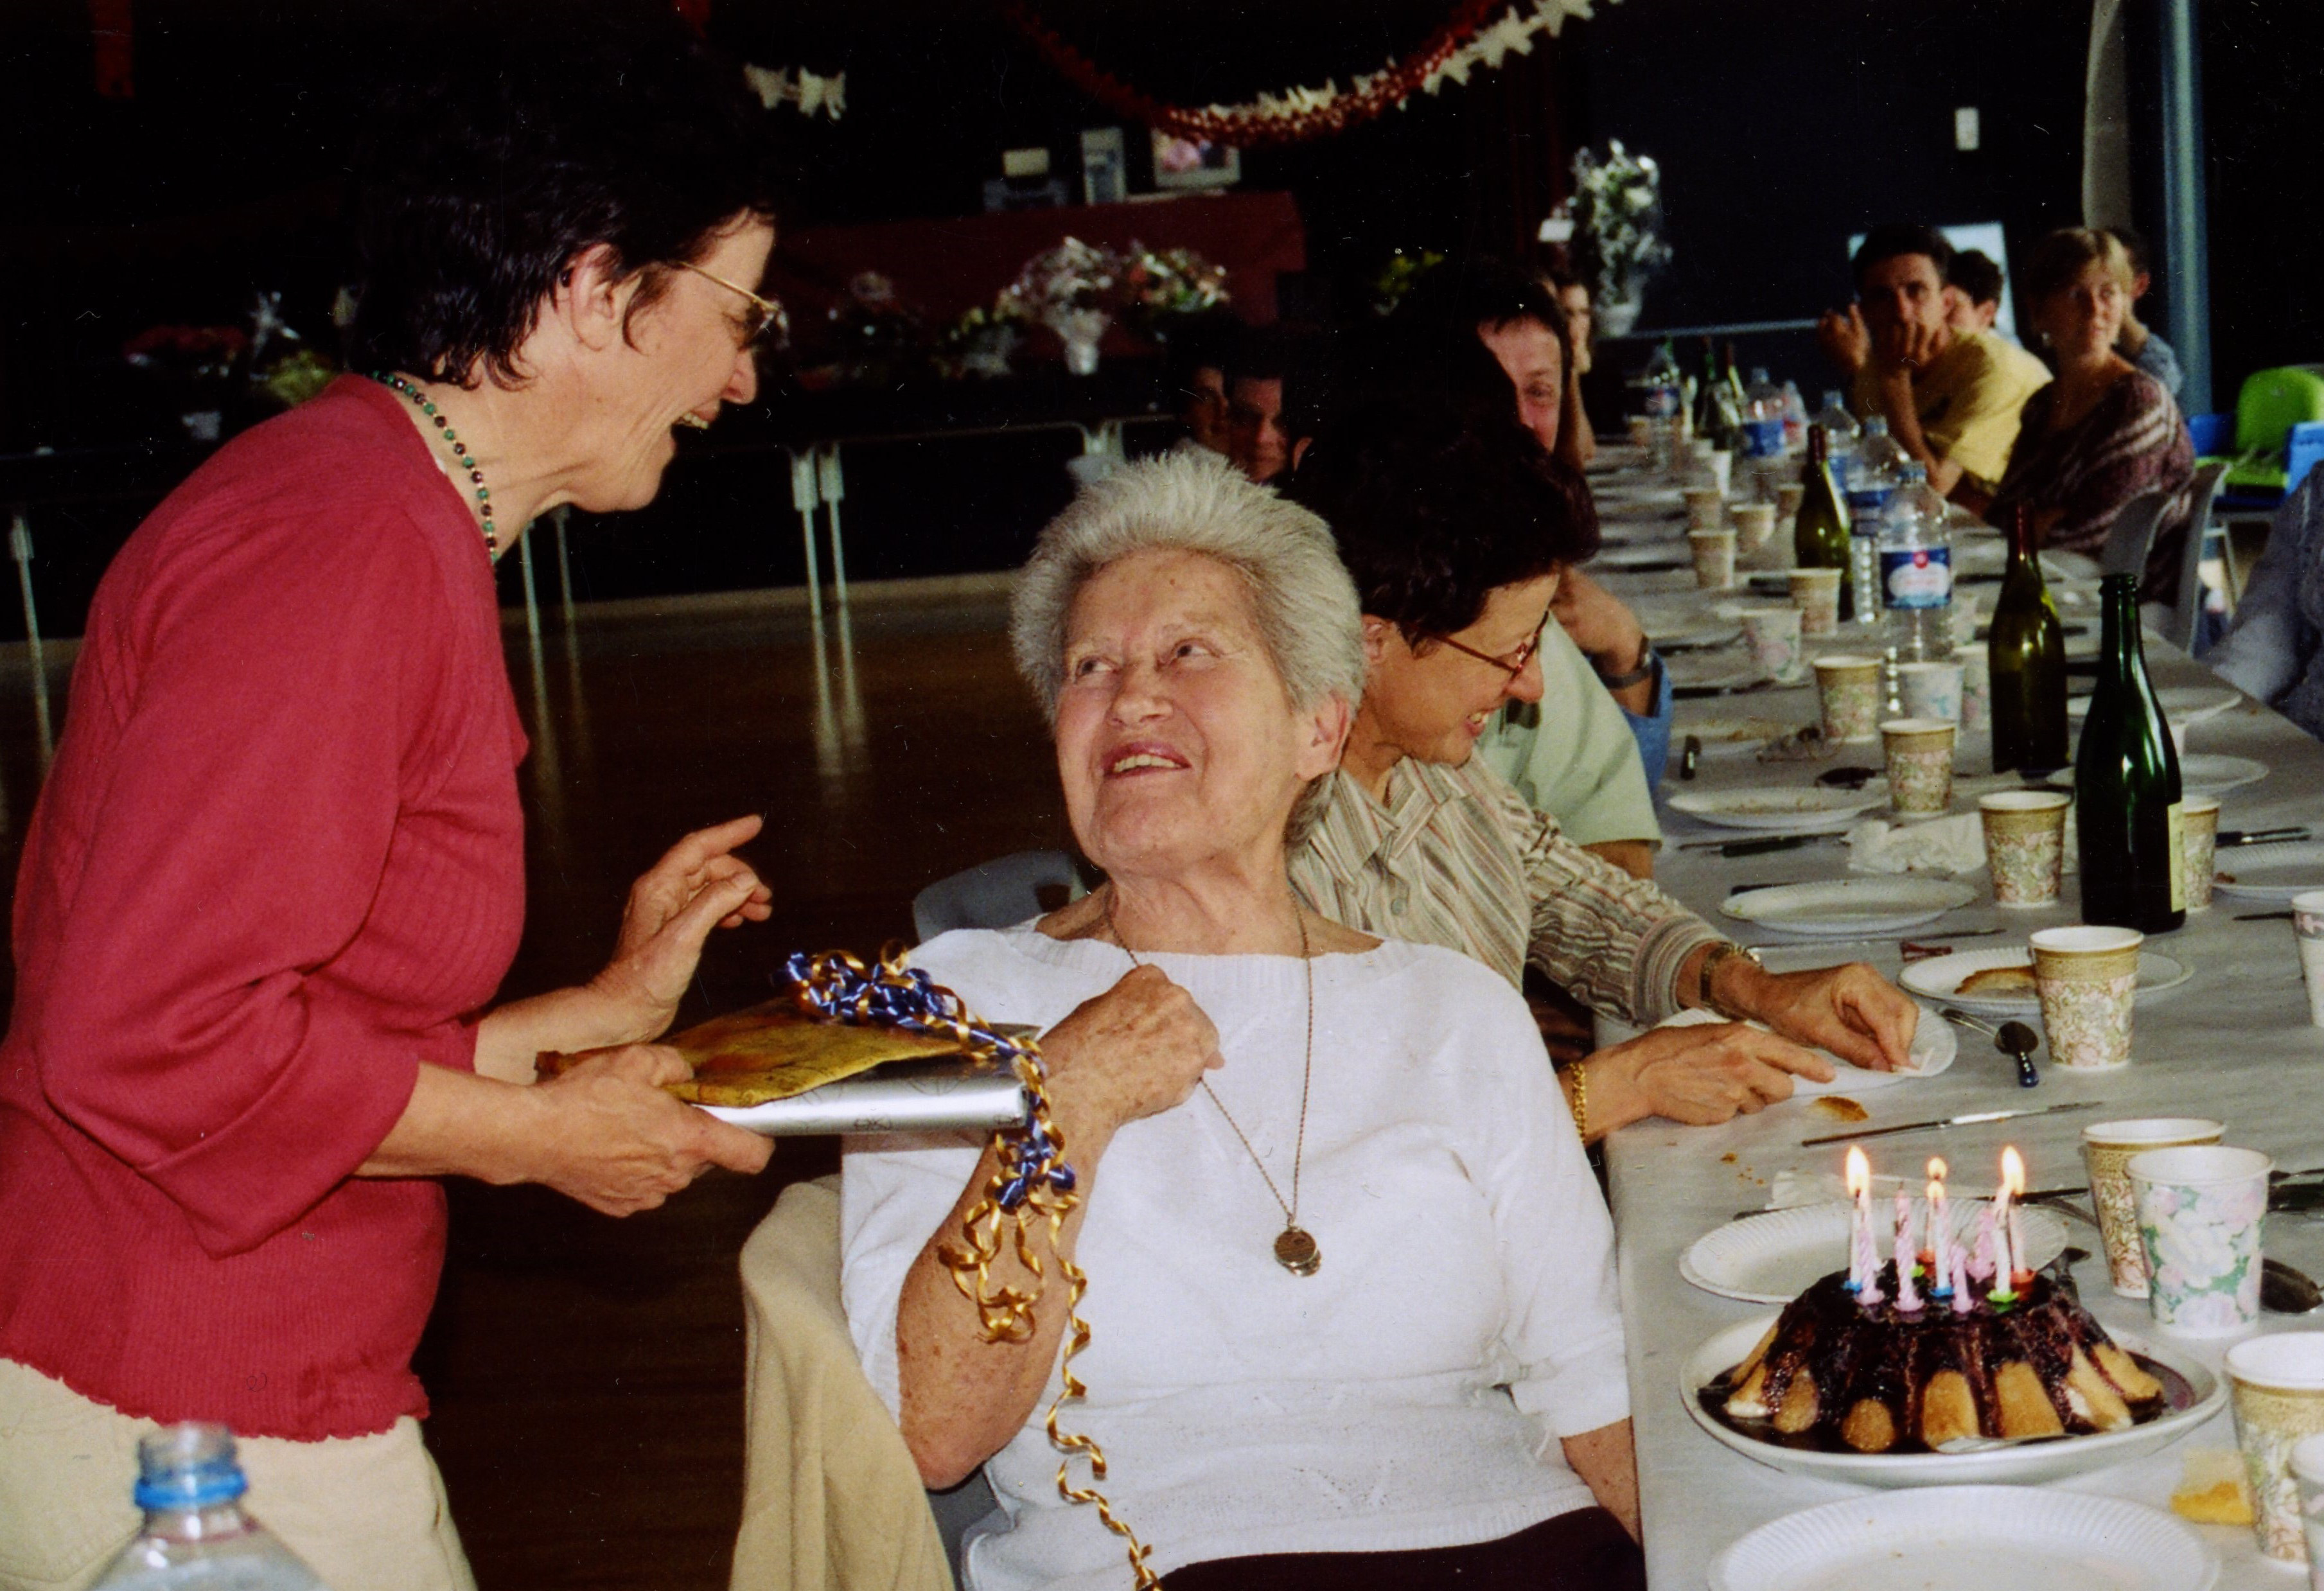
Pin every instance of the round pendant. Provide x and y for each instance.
(1296, 1253)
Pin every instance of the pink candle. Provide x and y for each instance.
(1908, 1296)
(1861, 1260)
(1941, 1231)
(1964, 1300)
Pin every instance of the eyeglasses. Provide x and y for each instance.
(766, 314)
(1513, 663)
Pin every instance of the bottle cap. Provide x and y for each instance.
(1877, 426)
(1759, 375)
(192, 1465)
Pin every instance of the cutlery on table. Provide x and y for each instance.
(1910, 948)
(1940, 1123)
(2261, 836)
(1689, 757)
(2012, 1039)
(1758, 846)
(2286, 1290)
(2263, 917)
(1846, 778)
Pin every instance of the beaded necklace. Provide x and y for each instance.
(460, 454)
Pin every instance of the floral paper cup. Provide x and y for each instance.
(1930, 690)
(2307, 927)
(1774, 635)
(1755, 526)
(2108, 1149)
(2200, 1215)
(2088, 979)
(1789, 496)
(1815, 592)
(1714, 558)
(2277, 1386)
(1977, 688)
(2024, 844)
(1642, 430)
(1706, 507)
(2198, 849)
(1848, 688)
(1920, 754)
(2308, 1477)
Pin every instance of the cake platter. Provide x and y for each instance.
(1970, 1536)
(1774, 1256)
(1938, 977)
(2194, 1395)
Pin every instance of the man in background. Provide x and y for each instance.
(1973, 283)
(2138, 344)
(1950, 398)
(1275, 397)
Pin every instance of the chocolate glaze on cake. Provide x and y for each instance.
(1883, 1378)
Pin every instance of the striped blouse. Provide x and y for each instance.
(1456, 858)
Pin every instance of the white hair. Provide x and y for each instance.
(1193, 500)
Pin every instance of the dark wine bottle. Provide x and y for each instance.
(2126, 785)
(1820, 535)
(1709, 411)
(2027, 655)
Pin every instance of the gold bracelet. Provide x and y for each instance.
(1580, 1070)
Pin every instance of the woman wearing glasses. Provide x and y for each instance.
(1457, 536)
(277, 872)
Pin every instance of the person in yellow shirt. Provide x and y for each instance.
(1950, 397)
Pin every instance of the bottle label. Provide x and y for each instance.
(2178, 856)
(1917, 578)
(1762, 438)
(1867, 502)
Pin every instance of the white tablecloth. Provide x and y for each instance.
(2234, 1043)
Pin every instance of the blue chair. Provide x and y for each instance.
(997, 893)
(2213, 433)
(2301, 453)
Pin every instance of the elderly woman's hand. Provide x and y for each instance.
(1135, 1051)
(698, 886)
(1852, 1011)
(1701, 1075)
(610, 1137)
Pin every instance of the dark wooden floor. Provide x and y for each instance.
(587, 1373)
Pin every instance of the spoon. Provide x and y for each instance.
(2019, 1042)
(2284, 1291)
(1846, 778)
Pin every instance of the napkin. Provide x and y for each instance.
(1954, 845)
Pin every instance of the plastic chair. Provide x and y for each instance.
(997, 893)
(2301, 452)
(2133, 532)
(2177, 624)
(2212, 433)
(2273, 402)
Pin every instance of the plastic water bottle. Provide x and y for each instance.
(1840, 433)
(1763, 418)
(1795, 418)
(1871, 478)
(196, 1535)
(1665, 393)
(1916, 570)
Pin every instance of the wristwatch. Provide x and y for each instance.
(1648, 663)
(1722, 952)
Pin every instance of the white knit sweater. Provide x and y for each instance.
(1407, 1396)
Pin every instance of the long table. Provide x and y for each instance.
(2233, 1043)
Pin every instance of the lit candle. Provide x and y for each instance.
(2012, 1187)
(1908, 1296)
(1863, 1260)
(2005, 1256)
(1964, 1300)
(1940, 1229)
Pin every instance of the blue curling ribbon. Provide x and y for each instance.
(839, 988)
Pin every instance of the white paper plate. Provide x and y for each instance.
(2182, 705)
(1879, 904)
(2270, 872)
(1775, 1257)
(1778, 807)
(1680, 635)
(1706, 671)
(1934, 1048)
(1939, 978)
(1729, 734)
(1940, 1538)
(1644, 556)
(2200, 773)
(2029, 1462)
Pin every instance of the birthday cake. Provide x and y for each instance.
(1876, 1376)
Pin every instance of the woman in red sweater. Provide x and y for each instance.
(277, 873)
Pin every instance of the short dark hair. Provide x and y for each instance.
(1299, 356)
(1896, 238)
(1433, 516)
(1464, 294)
(1977, 275)
(617, 126)
(1198, 341)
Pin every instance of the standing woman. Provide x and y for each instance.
(277, 872)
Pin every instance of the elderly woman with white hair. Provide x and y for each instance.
(1352, 1283)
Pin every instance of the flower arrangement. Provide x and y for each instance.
(1158, 283)
(1074, 276)
(1617, 216)
(1396, 278)
(977, 343)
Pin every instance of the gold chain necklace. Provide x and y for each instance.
(1295, 1249)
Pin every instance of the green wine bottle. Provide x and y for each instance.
(2126, 785)
(1820, 534)
(2027, 655)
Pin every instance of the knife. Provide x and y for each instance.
(1974, 1118)
(2259, 836)
(1758, 846)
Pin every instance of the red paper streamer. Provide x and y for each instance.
(1391, 88)
(696, 14)
(116, 58)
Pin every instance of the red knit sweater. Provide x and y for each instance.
(279, 857)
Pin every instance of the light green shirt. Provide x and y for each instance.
(1580, 762)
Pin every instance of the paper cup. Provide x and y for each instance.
(1755, 527)
(2199, 835)
(1788, 498)
(1642, 430)
(1977, 688)
(1815, 592)
(2307, 923)
(1721, 465)
(1714, 558)
(1964, 620)
(1930, 690)
(1706, 507)
(1849, 689)
(2108, 1149)
(2200, 1214)
(2024, 844)
(2276, 1384)
(2087, 978)
(1773, 634)
(2308, 1478)
(1920, 753)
